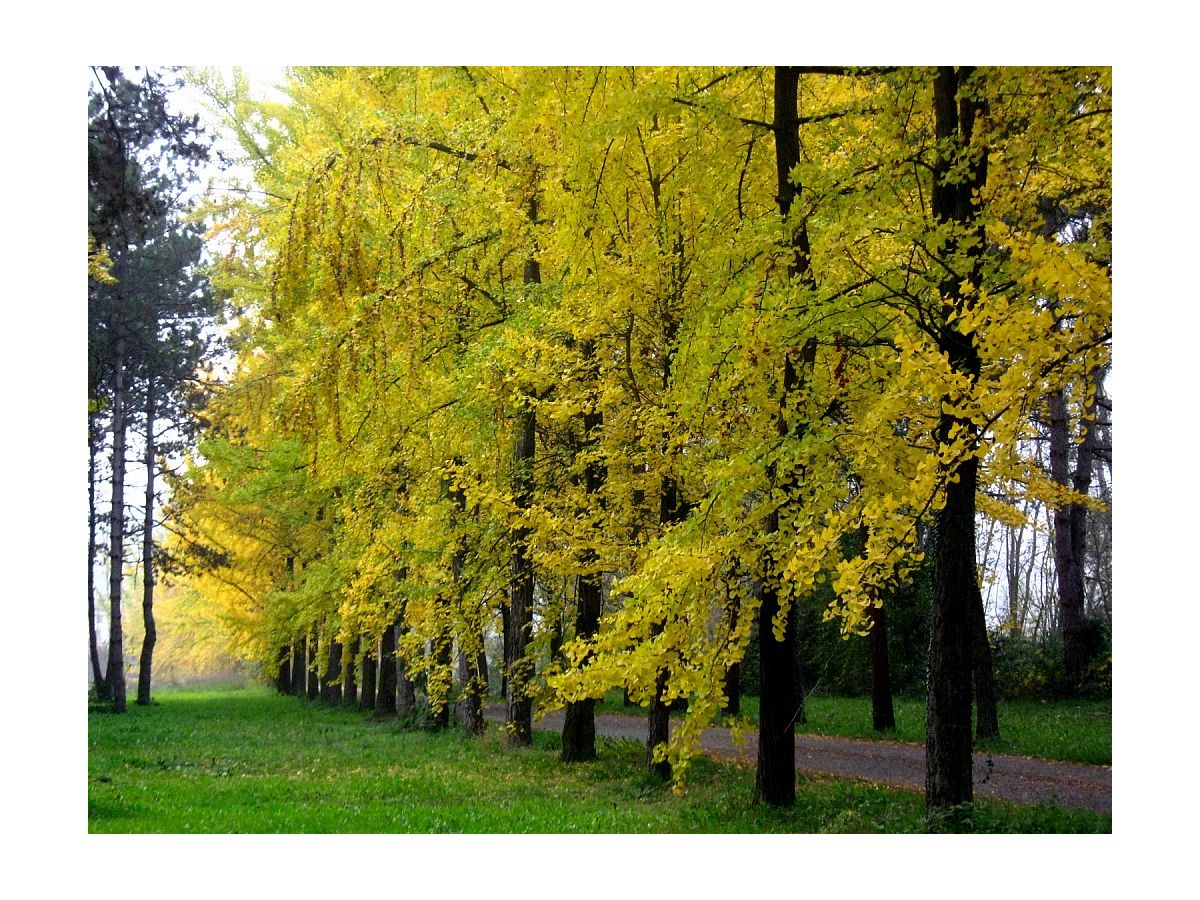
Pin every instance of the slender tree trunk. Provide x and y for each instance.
(987, 717)
(331, 690)
(579, 721)
(948, 715)
(296, 688)
(883, 714)
(146, 662)
(780, 702)
(349, 673)
(385, 696)
(283, 676)
(313, 687)
(370, 672)
(406, 691)
(520, 666)
(1070, 534)
(116, 554)
(101, 687)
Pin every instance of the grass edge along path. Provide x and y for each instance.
(252, 761)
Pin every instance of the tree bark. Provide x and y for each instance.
(283, 676)
(349, 673)
(883, 713)
(115, 678)
(146, 662)
(366, 696)
(331, 689)
(579, 721)
(520, 667)
(406, 692)
(296, 688)
(987, 717)
(385, 696)
(948, 787)
(1070, 533)
(100, 685)
(313, 687)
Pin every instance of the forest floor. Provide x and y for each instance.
(1016, 779)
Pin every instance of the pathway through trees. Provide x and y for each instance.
(1016, 779)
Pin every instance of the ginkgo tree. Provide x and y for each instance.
(615, 363)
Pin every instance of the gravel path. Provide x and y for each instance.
(1017, 779)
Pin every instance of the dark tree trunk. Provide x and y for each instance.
(296, 688)
(579, 722)
(520, 666)
(987, 717)
(115, 678)
(146, 661)
(948, 715)
(505, 640)
(406, 692)
(366, 697)
(520, 707)
(780, 700)
(313, 687)
(1070, 538)
(101, 687)
(331, 689)
(883, 714)
(385, 696)
(733, 690)
(349, 673)
(443, 651)
(283, 676)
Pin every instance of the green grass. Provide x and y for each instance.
(251, 761)
(1066, 730)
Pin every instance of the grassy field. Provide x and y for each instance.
(247, 760)
(1066, 730)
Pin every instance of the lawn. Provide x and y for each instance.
(247, 760)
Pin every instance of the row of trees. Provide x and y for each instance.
(617, 364)
(148, 304)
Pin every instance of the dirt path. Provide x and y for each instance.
(1017, 779)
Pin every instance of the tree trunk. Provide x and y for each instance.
(349, 673)
(283, 676)
(987, 718)
(883, 714)
(579, 721)
(520, 666)
(948, 787)
(313, 688)
(101, 687)
(406, 692)
(366, 696)
(146, 662)
(331, 689)
(385, 695)
(116, 519)
(296, 688)
(1070, 540)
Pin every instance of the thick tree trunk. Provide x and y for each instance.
(385, 695)
(146, 662)
(406, 691)
(116, 519)
(366, 696)
(948, 714)
(98, 682)
(883, 713)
